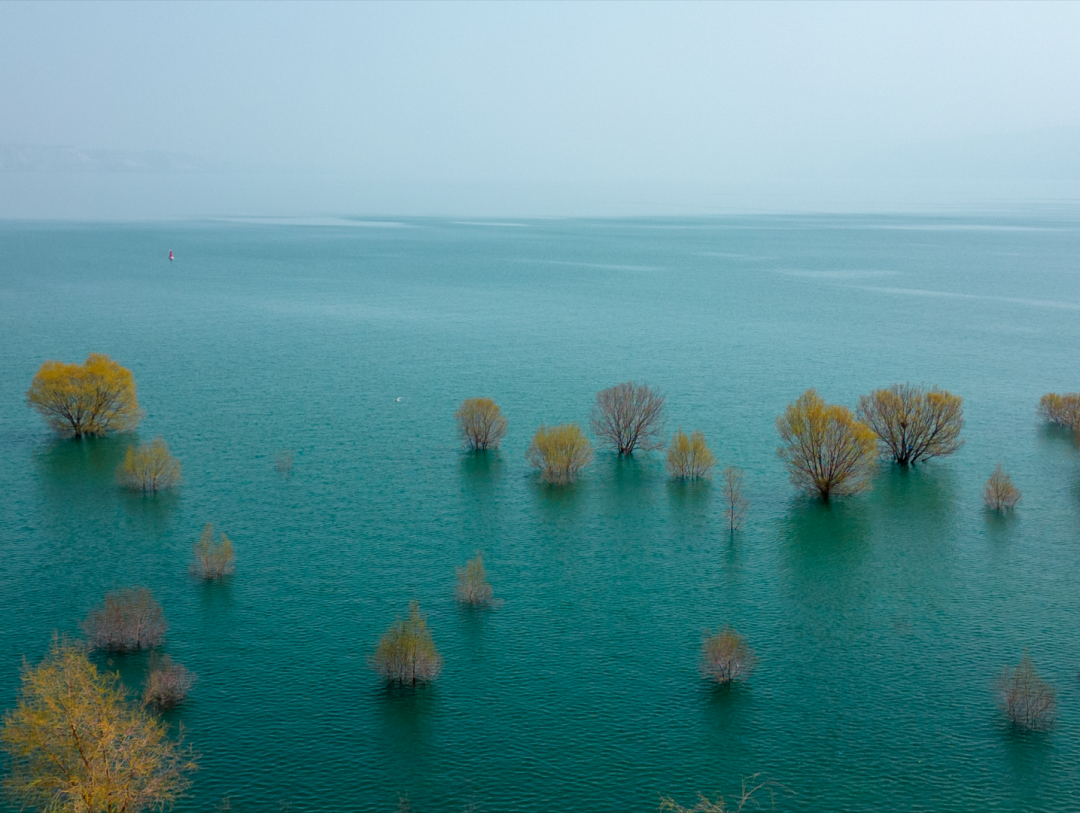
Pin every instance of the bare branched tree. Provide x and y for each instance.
(826, 450)
(629, 416)
(999, 493)
(481, 423)
(559, 452)
(1027, 699)
(735, 502)
(406, 654)
(128, 619)
(725, 656)
(213, 560)
(473, 587)
(167, 683)
(913, 423)
(1061, 409)
(688, 457)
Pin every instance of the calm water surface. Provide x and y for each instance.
(879, 622)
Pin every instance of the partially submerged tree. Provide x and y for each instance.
(999, 493)
(77, 744)
(149, 468)
(213, 559)
(481, 423)
(827, 452)
(1061, 409)
(472, 584)
(283, 463)
(406, 654)
(688, 457)
(1025, 698)
(167, 683)
(92, 398)
(725, 656)
(913, 423)
(128, 619)
(629, 416)
(559, 452)
(735, 502)
(747, 799)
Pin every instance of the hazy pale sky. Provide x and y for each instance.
(605, 99)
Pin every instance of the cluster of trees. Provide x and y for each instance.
(95, 398)
(77, 742)
(628, 417)
(828, 449)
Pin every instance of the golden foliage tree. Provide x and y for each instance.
(167, 683)
(559, 452)
(999, 493)
(77, 744)
(826, 450)
(726, 656)
(128, 619)
(688, 457)
(629, 416)
(92, 398)
(1025, 698)
(481, 423)
(735, 502)
(1061, 409)
(913, 423)
(406, 654)
(149, 468)
(213, 560)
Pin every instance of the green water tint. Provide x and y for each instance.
(880, 622)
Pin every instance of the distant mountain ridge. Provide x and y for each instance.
(34, 158)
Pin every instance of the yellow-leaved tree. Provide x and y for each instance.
(688, 456)
(481, 423)
(149, 468)
(1061, 409)
(827, 452)
(77, 744)
(93, 398)
(914, 423)
(559, 452)
(406, 654)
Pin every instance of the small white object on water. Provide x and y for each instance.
(398, 399)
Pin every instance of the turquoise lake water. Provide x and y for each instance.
(880, 622)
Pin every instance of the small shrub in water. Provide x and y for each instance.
(283, 463)
(167, 683)
(1025, 698)
(149, 468)
(726, 657)
(406, 654)
(128, 619)
(735, 502)
(473, 587)
(751, 787)
(999, 493)
(213, 560)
